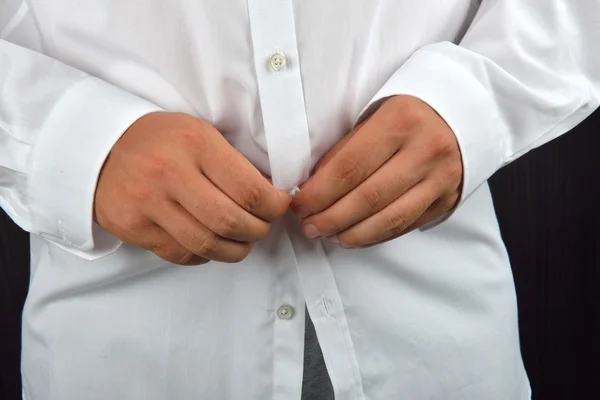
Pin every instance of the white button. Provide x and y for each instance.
(285, 311)
(278, 62)
(294, 191)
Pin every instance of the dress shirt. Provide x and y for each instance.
(431, 315)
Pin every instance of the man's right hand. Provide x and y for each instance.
(173, 185)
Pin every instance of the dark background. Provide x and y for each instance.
(548, 205)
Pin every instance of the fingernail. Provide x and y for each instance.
(346, 246)
(334, 239)
(301, 211)
(311, 232)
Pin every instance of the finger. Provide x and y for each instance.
(197, 238)
(158, 241)
(439, 207)
(365, 151)
(235, 176)
(394, 178)
(392, 220)
(336, 148)
(215, 210)
(435, 211)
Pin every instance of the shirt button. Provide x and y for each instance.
(278, 62)
(294, 191)
(285, 311)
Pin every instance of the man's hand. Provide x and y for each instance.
(396, 171)
(173, 185)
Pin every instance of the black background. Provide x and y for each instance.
(548, 205)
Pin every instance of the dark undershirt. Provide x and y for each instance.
(316, 384)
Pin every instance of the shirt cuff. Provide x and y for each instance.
(72, 147)
(468, 108)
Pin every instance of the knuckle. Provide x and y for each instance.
(395, 224)
(242, 254)
(206, 245)
(412, 116)
(198, 207)
(156, 166)
(403, 182)
(186, 258)
(349, 170)
(441, 146)
(373, 198)
(413, 112)
(228, 224)
(167, 252)
(250, 198)
(189, 138)
(263, 231)
(140, 193)
(133, 222)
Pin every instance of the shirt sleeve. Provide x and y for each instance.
(57, 126)
(525, 72)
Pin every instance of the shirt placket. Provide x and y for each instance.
(286, 131)
(280, 89)
(287, 136)
(326, 310)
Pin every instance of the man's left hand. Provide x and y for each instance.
(397, 171)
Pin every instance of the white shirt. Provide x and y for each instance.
(431, 315)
